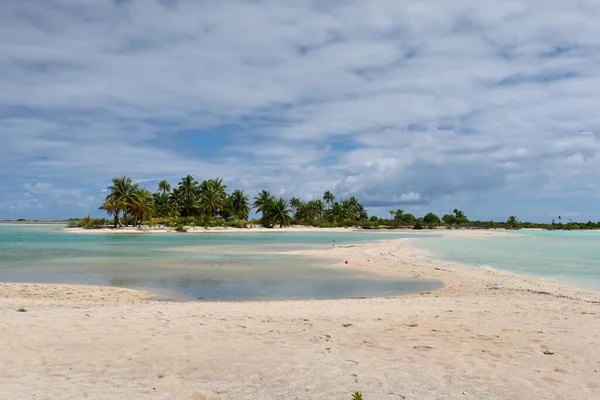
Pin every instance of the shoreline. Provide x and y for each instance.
(487, 334)
(294, 229)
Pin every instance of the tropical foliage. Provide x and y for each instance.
(208, 203)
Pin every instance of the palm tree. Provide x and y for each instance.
(295, 203)
(164, 186)
(213, 197)
(176, 201)
(308, 212)
(392, 212)
(512, 222)
(319, 207)
(353, 203)
(162, 204)
(338, 212)
(460, 216)
(361, 213)
(189, 191)
(278, 213)
(143, 207)
(189, 186)
(262, 202)
(239, 204)
(328, 198)
(113, 208)
(124, 194)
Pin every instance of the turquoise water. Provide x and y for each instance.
(571, 257)
(213, 266)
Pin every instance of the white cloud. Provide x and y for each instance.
(393, 101)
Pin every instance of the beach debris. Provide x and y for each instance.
(412, 325)
(346, 262)
(422, 347)
(22, 309)
(347, 325)
(548, 352)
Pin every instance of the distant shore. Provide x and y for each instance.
(32, 222)
(294, 228)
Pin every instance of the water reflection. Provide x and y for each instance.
(224, 267)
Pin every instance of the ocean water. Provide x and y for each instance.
(213, 266)
(570, 257)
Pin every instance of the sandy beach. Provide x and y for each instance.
(198, 229)
(487, 335)
(295, 228)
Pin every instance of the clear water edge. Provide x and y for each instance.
(220, 267)
(569, 257)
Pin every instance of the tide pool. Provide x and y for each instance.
(567, 256)
(217, 266)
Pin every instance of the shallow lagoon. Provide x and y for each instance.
(216, 266)
(566, 256)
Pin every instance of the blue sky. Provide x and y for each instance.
(420, 105)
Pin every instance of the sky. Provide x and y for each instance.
(428, 105)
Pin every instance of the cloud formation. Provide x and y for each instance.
(425, 105)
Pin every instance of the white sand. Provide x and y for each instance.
(217, 229)
(488, 335)
(292, 229)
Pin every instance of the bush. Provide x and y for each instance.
(238, 223)
(323, 224)
(181, 228)
(432, 219)
(74, 223)
(88, 223)
(370, 225)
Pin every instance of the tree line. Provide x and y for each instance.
(208, 203)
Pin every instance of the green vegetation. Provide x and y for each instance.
(513, 223)
(209, 204)
(88, 223)
(22, 309)
(357, 396)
